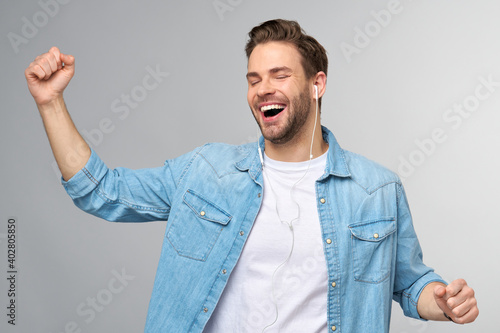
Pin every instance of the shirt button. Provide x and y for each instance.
(375, 236)
(329, 241)
(224, 271)
(334, 284)
(258, 195)
(322, 200)
(205, 310)
(334, 328)
(241, 233)
(202, 213)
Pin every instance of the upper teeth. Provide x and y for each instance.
(272, 106)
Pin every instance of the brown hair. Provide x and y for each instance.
(314, 57)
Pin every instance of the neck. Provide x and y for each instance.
(298, 149)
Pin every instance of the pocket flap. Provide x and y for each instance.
(204, 209)
(373, 231)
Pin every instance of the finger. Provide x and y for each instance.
(68, 60)
(34, 71)
(69, 64)
(51, 59)
(39, 72)
(463, 308)
(44, 64)
(439, 291)
(465, 294)
(468, 317)
(57, 56)
(455, 287)
(439, 294)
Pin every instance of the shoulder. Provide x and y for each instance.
(224, 154)
(369, 174)
(216, 150)
(228, 151)
(222, 157)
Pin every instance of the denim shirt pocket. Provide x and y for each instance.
(372, 249)
(196, 226)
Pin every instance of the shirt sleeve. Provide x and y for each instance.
(123, 194)
(412, 275)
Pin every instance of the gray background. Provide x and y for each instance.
(394, 91)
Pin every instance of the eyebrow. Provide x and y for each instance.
(272, 71)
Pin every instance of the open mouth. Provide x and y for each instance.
(272, 110)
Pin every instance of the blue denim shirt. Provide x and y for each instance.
(211, 197)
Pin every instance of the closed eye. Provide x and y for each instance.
(281, 77)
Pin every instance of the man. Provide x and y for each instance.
(244, 221)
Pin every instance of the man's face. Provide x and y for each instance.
(279, 94)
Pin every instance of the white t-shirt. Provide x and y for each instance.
(300, 285)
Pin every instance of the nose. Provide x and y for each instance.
(265, 88)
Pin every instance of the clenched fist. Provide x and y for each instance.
(457, 301)
(48, 75)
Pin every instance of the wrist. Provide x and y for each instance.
(55, 105)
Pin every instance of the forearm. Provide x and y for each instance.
(69, 148)
(427, 306)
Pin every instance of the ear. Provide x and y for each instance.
(319, 81)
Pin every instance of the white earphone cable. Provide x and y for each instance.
(289, 224)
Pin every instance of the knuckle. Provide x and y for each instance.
(450, 302)
(53, 51)
(39, 72)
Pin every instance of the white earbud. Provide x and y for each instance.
(316, 91)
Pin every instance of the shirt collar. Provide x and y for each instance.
(335, 165)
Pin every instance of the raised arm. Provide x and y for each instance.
(47, 76)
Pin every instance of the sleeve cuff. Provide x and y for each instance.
(411, 297)
(86, 179)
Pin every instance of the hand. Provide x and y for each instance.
(457, 301)
(49, 75)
